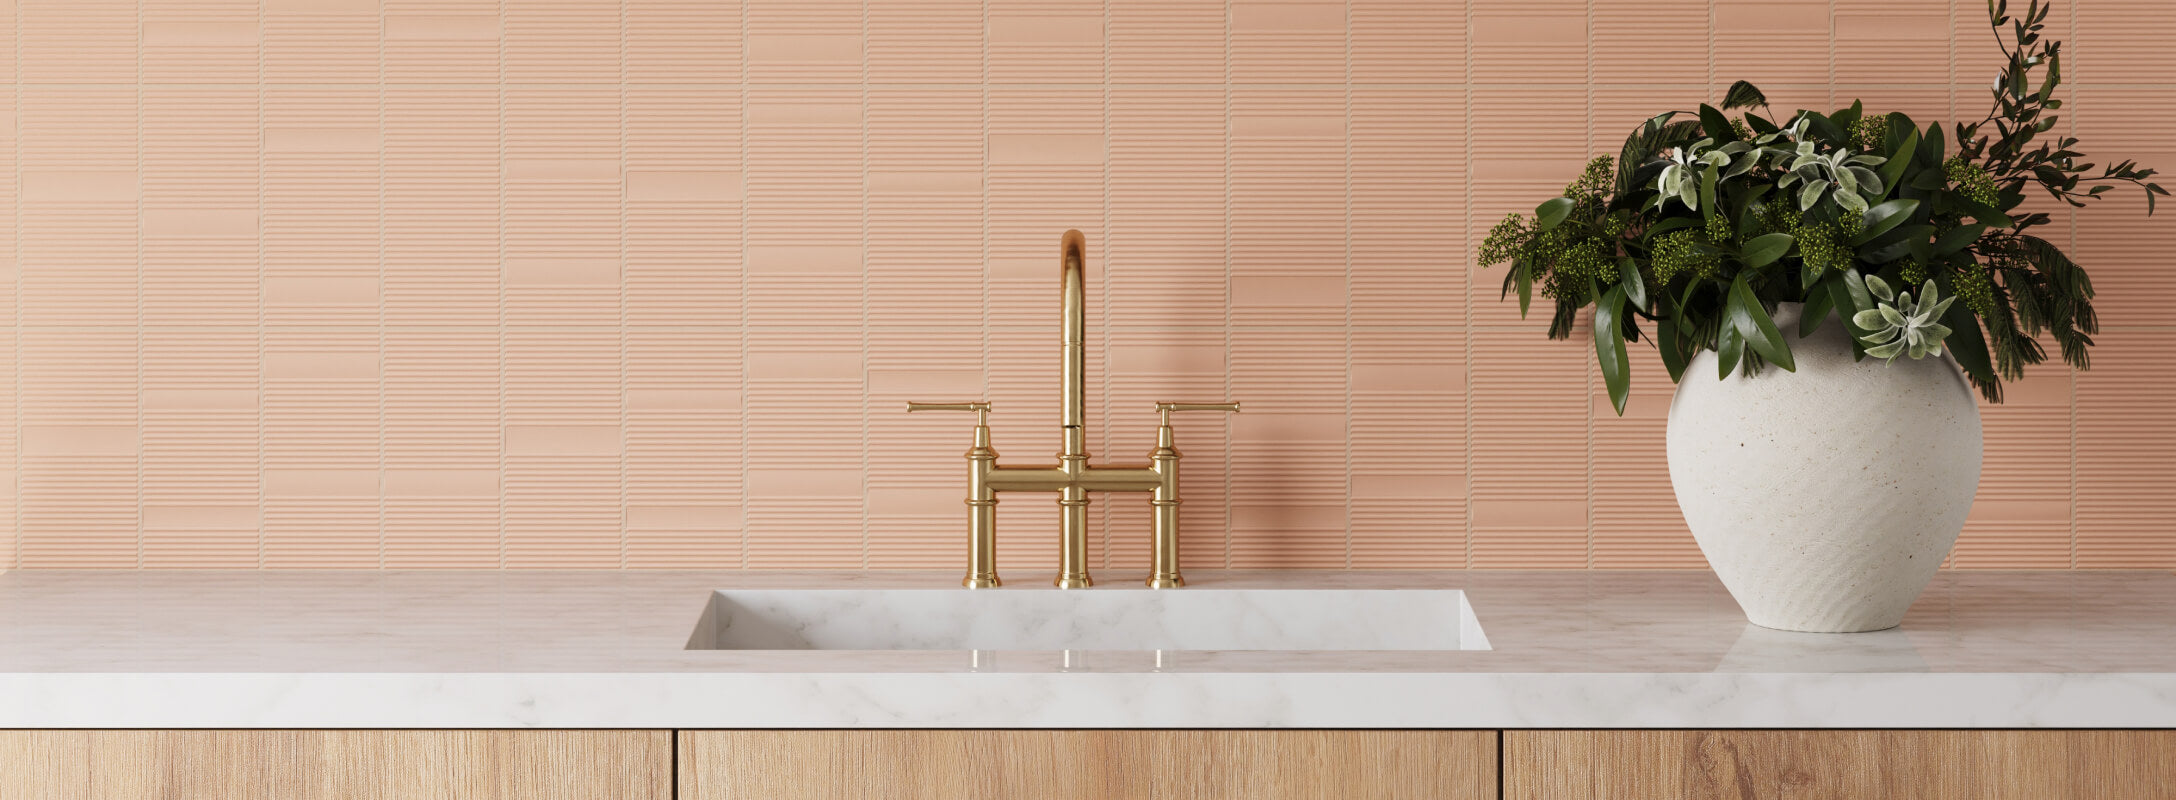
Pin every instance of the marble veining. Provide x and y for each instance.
(611, 649)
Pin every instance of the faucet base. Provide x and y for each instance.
(988, 581)
(1171, 581)
(1080, 581)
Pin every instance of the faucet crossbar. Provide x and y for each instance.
(1072, 478)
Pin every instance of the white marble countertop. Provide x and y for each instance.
(607, 650)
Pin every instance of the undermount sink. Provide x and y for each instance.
(1093, 619)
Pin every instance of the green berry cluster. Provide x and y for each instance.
(1679, 253)
(1914, 273)
(1972, 181)
(1618, 221)
(1978, 291)
(1596, 181)
(1718, 230)
(1820, 244)
(1867, 135)
(1506, 240)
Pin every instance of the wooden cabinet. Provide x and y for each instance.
(1089, 765)
(1757, 765)
(348, 765)
(1097, 764)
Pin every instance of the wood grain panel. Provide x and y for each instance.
(1926, 765)
(322, 765)
(1104, 765)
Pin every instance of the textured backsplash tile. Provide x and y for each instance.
(424, 283)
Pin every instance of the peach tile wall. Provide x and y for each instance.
(530, 284)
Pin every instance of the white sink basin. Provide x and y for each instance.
(1091, 619)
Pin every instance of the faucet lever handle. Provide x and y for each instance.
(981, 409)
(1164, 409)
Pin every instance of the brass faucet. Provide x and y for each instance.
(1072, 477)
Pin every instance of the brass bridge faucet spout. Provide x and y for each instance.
(1072, 478)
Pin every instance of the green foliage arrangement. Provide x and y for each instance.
(1692, 235)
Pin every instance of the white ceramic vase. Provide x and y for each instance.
(1825, 498)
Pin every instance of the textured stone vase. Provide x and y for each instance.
(1825, 498)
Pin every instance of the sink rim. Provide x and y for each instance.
(1469, 635)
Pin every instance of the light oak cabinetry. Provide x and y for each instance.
(325, 765)
(1757, 765)
(1087, 765)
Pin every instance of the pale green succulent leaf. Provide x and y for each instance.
(1811, 194)
(1851, 201)
(1868, 183)
(1879, 288)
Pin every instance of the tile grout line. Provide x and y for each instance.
(626, 535)
(1589, 364)
(16, 322)
(500, 297)
(1470, 268)
(260, 327)
(742, 327)
(2073, 382)
(1230, 524)
(1102, 517)
(865, 287)
(138, 300)
(1348, 326)
(380, 393)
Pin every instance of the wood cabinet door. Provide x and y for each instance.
(324, 765)
(1089, 765)
(1757, 765)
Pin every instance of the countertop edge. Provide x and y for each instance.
(1035, 700)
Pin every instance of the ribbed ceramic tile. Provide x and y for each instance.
(646, 283)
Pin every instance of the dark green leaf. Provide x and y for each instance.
(1881, 218)
(1609, 348)
(1628, 276)
(1743, 312)
(1819, 303)
(1981, 212)
(1760, 124)
(1743, 95)
(1958, 238)
(1729, 350)
(1553, 211)
(1841, 293)
(1666, 226)
(1526, 289)
(1892, 171)
(1824, 129)
(1765, 249)
(1708, 208)
(1966, 344)
(1931, 147)
(1894, 244)
(1715, 125)
(1675, 355)
(1845, 118)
